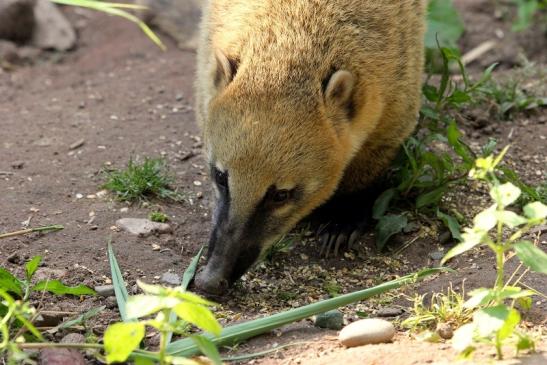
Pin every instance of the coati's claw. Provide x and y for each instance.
(336, 236)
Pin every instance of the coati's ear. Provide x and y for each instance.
(338, 89)
(225, 69)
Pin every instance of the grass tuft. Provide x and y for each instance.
(139, 181)
(443, 308)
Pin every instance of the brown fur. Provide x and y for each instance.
(273, 123)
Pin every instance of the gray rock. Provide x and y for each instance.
(142, 227)
(437, 255)
(16, 19)
(179, 19)
(111, 302)
(61, 357)
(170, 278)
(333, 320)
(52, 30)
(105, 290)
(389, 312)
(73, 338)
(367, 331)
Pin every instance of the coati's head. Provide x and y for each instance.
(277, 149)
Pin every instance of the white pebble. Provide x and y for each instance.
(366, 331)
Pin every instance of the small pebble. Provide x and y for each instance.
(437, 255)
(170, 278)
(333, 320)
(73, 338)
(17, 164)
(445, 331)
(389, 312)
(105, 290)
(367, 331)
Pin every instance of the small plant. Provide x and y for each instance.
(158, 217)
(17, 314)
(139, 181)
(23, 288)
(444, 310)
(423, 172)
(508, 98)
(122, 339)
(526, 11)
(494, 321)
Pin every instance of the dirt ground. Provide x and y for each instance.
(125, 98)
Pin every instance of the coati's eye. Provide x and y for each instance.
(221, 178)
(279, 196)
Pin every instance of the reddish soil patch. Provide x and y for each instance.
(126, 98)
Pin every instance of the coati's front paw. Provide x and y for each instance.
(334, 236)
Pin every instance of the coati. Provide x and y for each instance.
(299, 102)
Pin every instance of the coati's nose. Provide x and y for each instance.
(211, 284)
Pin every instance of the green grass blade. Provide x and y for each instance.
(116, 9)
(117, 280)
(186, 279)
(243, 331)
(95, 3)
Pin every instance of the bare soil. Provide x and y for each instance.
(127, 99)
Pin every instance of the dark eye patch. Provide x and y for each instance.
(221, 178)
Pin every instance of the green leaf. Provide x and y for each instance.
(431, 197)
(10, 283)
(186, 279)
(464, 151)
(183, 361)
(479, 296)
(489, 147)
(525, 342)
(483, 296)
(199, 316)
(118, 282)
(430, 92)
(31, 266)
(388, 226)
(463, 337)
(120, 339)
(526, 9)
(486, 220)
(512, 320)
(510, 219)
(470, 238)
(505, 194)
(58, 288)
(208, 348)
(382, 203)
(535, 210)
(444, 24)
(142, 305)
(174, 292)
(452, 224)
(531, 256)
(139, 360)
(525, 303)
(490, 320)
